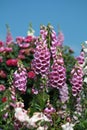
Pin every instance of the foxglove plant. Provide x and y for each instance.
(9, 38)
(57, 78)
(30, 31)
(77, 80)
(60, 38)
(20, 78)
(49, 110)
(77, 84)
(82, 98)
(41, 61)
(43, 32)
(80, 59)
(56, 41)
(64, 93)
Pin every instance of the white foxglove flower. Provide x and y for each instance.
(85, 79)
(37, 116)
(85, 50)
(85, 70)
(31, 33)
(42, 128)
(21, 115)
(86, 42)
(68, 126)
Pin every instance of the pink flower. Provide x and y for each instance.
(8, 49)
(2, 49)
(31, 74)
(21, 56)
(2, 74)
(28, 39)
(2, 87)
(63, 93)
(5, 116)
(34, 91)
(12, 62)
(80, 58)
(22, 51)
(43, 32)
(20, 78)
(20, 104)
(57, 76)
(60, 38)
(76, 80)
(49, 110)
(1, 43)
(20, 40)
(9, 38)
(25, 45)
(41, 61)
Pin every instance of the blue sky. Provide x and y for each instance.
(71, 15)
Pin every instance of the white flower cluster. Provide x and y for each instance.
(68, 126)
(22, 116)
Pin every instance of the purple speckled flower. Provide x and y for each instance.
(64, 93)
(76, 80)
(20, 78)
(56, 42)
(57, 76)
(43, 32)
(80, 58)
(41, 62)
(49, 110)
(60, 38)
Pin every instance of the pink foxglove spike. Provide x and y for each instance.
(76, 80)
(41, 61)
(20, 78)
(9, 38)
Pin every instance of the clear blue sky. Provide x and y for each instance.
(71, 15)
